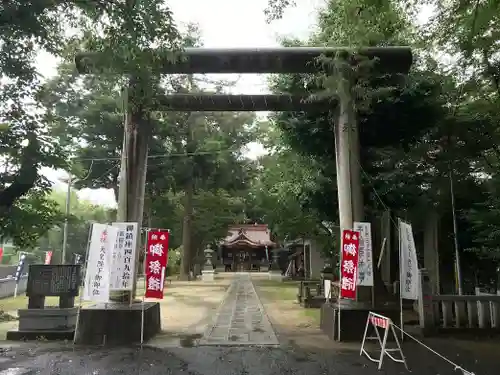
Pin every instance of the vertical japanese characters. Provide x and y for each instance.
(97, 282)
(409, 262)
(365, 263)
(156, 263)
(20, 267)
(123, 260)
(349, 264)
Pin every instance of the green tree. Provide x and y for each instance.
(30, 218)
(82, 215)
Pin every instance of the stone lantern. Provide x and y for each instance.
(208, 273)
(274, 269)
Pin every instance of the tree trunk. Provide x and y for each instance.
(186, 231)
(186, 256)
(26, 176)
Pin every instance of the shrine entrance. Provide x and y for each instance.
(138, 130)
(246, 248)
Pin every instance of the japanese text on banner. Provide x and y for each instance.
(97, 283)
(409, 262)
(365, 263)
(349, 264)
(156, 263)
(123, 260)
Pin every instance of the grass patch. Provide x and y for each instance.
(12, 304)
(7, 326)
(271, 289)
(314, 315)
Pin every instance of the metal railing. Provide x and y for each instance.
(8, 286)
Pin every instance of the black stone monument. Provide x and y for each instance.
(49, 322)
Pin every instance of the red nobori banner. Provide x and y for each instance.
(156, 263)
(48, 257)
(349, 264)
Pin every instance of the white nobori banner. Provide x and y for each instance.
(97, 275)
(123, 259)
(408, 262)
(365, 251)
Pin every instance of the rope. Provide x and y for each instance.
(456, 366)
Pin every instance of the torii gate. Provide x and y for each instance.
(137, 131)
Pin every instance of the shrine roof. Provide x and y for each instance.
(257, 235)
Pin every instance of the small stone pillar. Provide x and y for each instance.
(431, 253)
(208, 273)
(274, 269)
(425, 304)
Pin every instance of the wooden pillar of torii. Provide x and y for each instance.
(133, 168)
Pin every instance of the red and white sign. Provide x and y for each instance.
(378, 321)
(156, 263)
(349, 264)
(380, 327)
(48, 257)
(1, 254)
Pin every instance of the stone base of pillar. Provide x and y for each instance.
(353, 317)
(275, 275)
(208, 275)
(102, 323)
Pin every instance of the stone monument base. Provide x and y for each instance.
(117, 324)
(208, 275)
(275, 275)
(50, 323)
(352, 319)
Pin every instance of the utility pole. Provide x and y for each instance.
(458, 270)
(65, 230)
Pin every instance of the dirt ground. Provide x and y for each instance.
(293, 324)
(187, 309)
(299, 328)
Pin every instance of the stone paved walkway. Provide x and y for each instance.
(241, 318)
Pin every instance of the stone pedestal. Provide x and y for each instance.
(352, 319)
(117, 324)
(275, 275)
(208, 275)
(425, 306)
(51, 323)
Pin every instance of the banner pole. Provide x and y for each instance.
(84, 272)
(145, 286)
(400, 280)
(131, 292)
(373, 295)
(340, 282)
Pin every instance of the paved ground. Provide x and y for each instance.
(243, 319)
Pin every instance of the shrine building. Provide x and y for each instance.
(247, 247)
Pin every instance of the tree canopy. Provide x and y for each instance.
(439, 124)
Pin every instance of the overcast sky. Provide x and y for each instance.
(223, 23)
